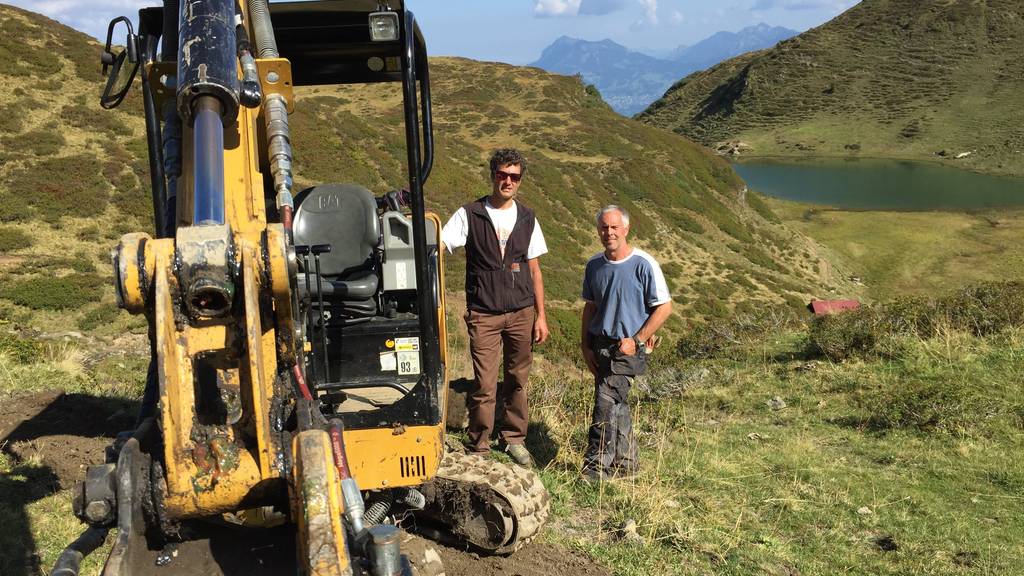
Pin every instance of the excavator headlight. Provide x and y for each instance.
(383, 26)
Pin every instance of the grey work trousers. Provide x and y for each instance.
(611, 445)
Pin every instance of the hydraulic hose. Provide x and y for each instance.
(70, 560)
(275, 110)
(266, 44)
(354, 505)
(171, 133)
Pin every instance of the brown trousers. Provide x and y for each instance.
(509, 335)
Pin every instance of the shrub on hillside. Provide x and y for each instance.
(839, 336)
(79, 191)
(45, 293)
(980, 310)
(923, 404)
(42, 142)
(99, 316)
(13, 239)
(17, 349)
(725, 337)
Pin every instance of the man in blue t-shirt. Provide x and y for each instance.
(627, 300)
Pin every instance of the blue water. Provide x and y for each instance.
(881, 185)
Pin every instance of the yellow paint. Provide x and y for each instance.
(317, 500)
(133, 288)
(283, 86)
(374, 456)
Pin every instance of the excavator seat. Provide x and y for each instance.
(343, 216)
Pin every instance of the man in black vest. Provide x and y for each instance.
(504, 301)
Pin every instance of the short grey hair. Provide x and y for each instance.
(612, 208)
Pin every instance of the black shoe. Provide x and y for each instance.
(624, 473)
(595, 475)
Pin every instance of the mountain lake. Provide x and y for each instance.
(881, 185)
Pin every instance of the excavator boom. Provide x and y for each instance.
(299, 376)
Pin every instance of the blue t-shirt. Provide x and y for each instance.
(624, 292)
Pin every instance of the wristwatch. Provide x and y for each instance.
(640, 344)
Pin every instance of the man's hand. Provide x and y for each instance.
(627, 346)
(590, 359)
(540, 330)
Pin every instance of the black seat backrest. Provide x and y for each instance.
(344, 216)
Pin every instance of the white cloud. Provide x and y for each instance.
(650, 18)
(650, 11)
(677, 17)
(762, 5)
(545, 8)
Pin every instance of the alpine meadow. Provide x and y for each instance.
(882, 440)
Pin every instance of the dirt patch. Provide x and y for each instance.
(63, 432)
(536, 559)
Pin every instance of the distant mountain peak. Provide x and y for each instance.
(630, 80)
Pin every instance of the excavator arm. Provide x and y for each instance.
(299, 360)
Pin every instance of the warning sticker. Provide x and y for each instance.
(388, 362)
(408, 362)
(407, 344)
(401, 276)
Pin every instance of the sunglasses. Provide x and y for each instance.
(501, 175)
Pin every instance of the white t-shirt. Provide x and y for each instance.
(456, 232)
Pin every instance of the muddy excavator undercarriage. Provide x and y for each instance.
(299, 378)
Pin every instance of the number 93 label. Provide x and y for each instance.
(409, 362)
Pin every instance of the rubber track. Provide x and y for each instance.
(517, 486)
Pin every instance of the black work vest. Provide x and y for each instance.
(495, 284)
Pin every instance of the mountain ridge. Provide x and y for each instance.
(629, 79)
(885, 79)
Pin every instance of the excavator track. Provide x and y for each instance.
(494, 506)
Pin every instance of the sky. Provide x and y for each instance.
(516, 31)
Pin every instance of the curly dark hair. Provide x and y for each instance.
(505, 156)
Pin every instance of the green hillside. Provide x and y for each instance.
(73, 178)
(880, 442)
(888, 78)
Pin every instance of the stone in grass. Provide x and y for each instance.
(628, 532)
(886, 543)
(965, 558)
(864, 511)
(776, 403)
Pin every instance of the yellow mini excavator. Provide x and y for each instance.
(296, 405)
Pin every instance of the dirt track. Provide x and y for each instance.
(65, 433)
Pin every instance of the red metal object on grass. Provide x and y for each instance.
(820, 307)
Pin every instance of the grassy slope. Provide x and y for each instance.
(900, 253)
(732, 486)
(710, 497)
(888, 78)
(686, 204)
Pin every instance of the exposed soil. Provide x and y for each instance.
(68, 432)
(63, 432)
(535, 559)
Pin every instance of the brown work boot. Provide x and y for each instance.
(520, 455)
